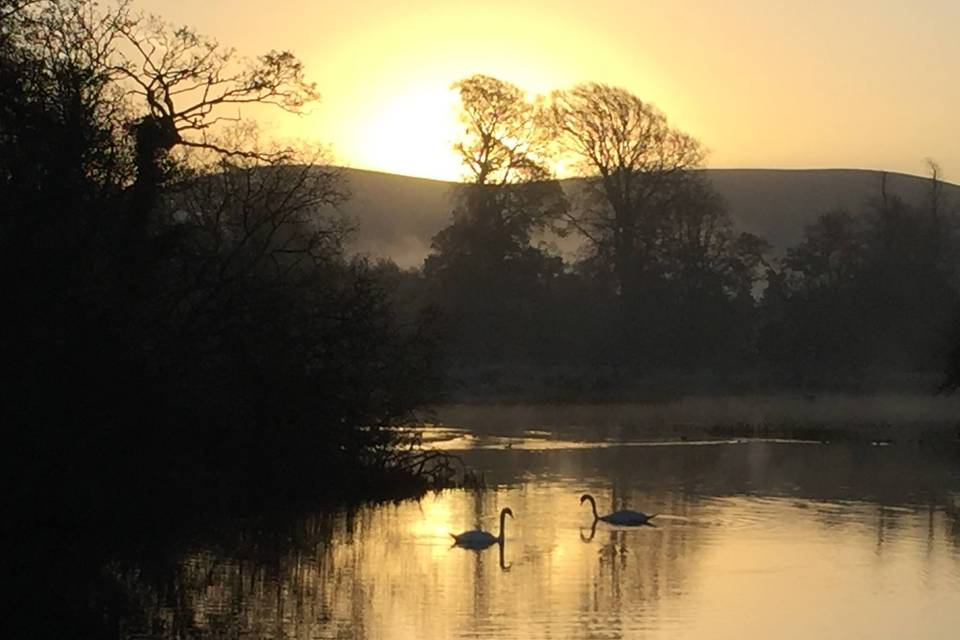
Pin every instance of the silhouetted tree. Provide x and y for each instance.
(656, 229)
(813, 303)
(188, 325)
(910, 280)
(868, 292)
(634, 163)
(508, 193)
(486, 272)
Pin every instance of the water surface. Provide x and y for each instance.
(754, 539)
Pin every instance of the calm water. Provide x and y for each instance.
(753, 540)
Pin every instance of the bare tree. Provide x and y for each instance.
(169, 86)
(246, 216)
(168, 138)
(635, 163)
(696, 233)
(189, 83)
(501, 144)
(487, 251)
(505, 154)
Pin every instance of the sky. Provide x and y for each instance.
(871, 84)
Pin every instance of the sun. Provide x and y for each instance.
(387, 100)
(412, 133)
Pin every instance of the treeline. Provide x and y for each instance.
(664, 287)
(183, 332)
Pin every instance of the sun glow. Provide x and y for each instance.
(437, 521)
(403, 116)
(413, 133)
(761, 84)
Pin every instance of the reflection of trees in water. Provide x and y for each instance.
(361, 574)
(324, 576)
(897, 474)
(375, 573)
(952, 515)
(482, 503)
(887, 524)
(259, 584)
(635, 568)
(829, 475)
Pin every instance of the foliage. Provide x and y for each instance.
(876, 290)
(635, 163)
(484, 269)
(189, 333)
(665, 282)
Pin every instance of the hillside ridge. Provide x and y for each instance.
(397, 215)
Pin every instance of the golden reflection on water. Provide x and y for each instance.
(718, 564)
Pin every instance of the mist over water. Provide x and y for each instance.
(904, 417)
(753, 539)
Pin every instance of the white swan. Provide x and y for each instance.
(624, 518)
(479, 539)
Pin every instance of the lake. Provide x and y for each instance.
(753, 539)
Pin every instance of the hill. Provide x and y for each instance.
(397, 215)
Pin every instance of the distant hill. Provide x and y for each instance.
(397, 215)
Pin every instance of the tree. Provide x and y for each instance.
(814, 322)
(186, 316)
(910, 279)
(507, 196)
(831, 256)
(656, 229)
(188, 86)
(508, 193)
(876, 290)
(634, 163)
(501, 143)
(710, 274)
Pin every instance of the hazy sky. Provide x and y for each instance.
(762, 83)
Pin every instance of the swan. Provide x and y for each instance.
(478, 539)
(624, 518)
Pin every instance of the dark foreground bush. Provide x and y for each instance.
(183, 333)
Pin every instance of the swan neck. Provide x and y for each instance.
(593, 505)
(503, 519)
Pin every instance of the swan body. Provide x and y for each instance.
(475, 539)
(624, 518)
(479, 539)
